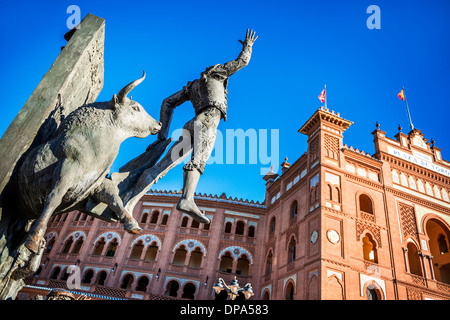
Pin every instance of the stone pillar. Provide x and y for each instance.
(430, 263)
(75, 78)
(405, 257)
(187, 259)
(424, 267)
(144, 251)
(234, 267)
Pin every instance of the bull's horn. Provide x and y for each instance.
(126, 90)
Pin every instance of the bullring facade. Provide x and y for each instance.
(337, 223)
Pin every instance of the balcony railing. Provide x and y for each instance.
(443, 287)
(421, 281)
(111, 292)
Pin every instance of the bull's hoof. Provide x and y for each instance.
(189, 207)
(132, 227)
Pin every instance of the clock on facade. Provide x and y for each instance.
(333, 236)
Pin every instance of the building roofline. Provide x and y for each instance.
(222, 198)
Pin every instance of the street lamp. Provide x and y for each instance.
(233, 289)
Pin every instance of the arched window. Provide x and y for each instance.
(65, 274)
(88, 276)
(251, 231)
(269, 263)
(55, 273)
(266, 295)
(226, 263)
(98, 249)
(142, 284)
(369, 249)
(291, 250)
(78, 245)
(172, 288)
(188, 291)
(442, 243)
(365, 204)
(112, 248)
(414, 260)
(50, 245)
(240, 226)
(195, 224)
(195, 260)
(152, 250)
(180, 256)
(371, 293)
(184, 222)
(136, 252)
(38, 271)
(294, 209)
(329, 192)
(127, 282)
(101, 278)
(289, 293)
(228, 226)
(242, 265)
(155, 216)
(336, 194)
(164, 219)
(272, 225)
(67, 245)
(438, 233)
(144, 217)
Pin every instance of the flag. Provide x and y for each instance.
(401, 95)
(322, 96)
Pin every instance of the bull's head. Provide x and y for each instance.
(131, 115)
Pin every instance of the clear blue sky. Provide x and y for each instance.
(302, 45)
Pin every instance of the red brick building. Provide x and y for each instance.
(338, 223)
(174, 256)
(344, 224)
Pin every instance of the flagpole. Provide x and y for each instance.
(326, 94)
(407, 110)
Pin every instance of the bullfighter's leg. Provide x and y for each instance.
(177, 152)
(204, 138)
(62, 179)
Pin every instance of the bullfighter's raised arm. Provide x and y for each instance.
(244, 57)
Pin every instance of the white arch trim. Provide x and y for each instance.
(76, 235)
(236, 252)
(109, 236)
(190, 245)
(147, 239)
(364, 278)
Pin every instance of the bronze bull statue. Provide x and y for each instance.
(62, 174)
